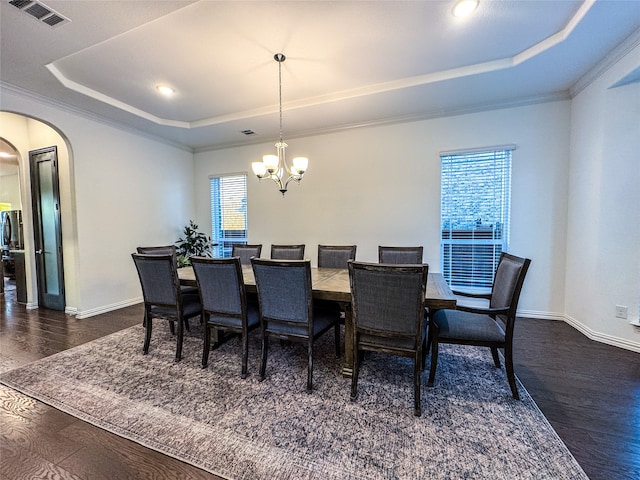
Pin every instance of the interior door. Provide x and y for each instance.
(47, 228)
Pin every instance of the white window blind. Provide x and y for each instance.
(475, 200)
(228, 212)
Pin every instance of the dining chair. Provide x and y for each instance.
(160, 250)
(224, 302)
(335, 256)
(162, 296)
(400, 255)
(169, 250)
(388, 316)
(245, 252)
(287, 310)
(287, 252)
(489, 327)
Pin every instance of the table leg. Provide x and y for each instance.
(347, 369)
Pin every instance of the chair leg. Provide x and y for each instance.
(429, 334)
(496, 357)
(186, 324)
(354, 374)
(207, 346)
(434, 356)
(245, 353)
(310, 366)
(337, 334)
(179, 340)
(172, 328)
(263, 360)
(417, 371)
(147, 334)
(511, 376)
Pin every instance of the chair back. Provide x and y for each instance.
(287, 252)
(400, 255)
(221, 285)
(158, 278)
(388, 298)
(245, 252)
(508, 282)
(284, 289)
(334, 256)
(160, 250)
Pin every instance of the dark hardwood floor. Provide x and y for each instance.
(590, 392)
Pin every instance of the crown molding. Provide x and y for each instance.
(49, 102)
(609, 60)
(430, 115)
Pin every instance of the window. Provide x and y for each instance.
(475, 198)
(228, 212)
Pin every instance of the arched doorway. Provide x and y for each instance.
(11, 233)
(28, 135)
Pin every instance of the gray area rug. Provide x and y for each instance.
(470, 428)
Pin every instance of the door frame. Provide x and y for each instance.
(56, 302)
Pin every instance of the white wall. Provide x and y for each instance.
(603, 238)
(381, 185)
(124, 190)
(10, 189)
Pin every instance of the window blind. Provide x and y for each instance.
(228, 212)
(475, 201)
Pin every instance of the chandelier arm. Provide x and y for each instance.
(297, 178)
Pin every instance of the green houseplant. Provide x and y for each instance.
(192, 243)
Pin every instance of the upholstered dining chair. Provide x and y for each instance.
(224, 302)
(245, 252)
(287, 310)
(162, 297)
(287, 252)
(160, 250)
(388, 315)
(168, 250)
(335, 256)
(400, 255)
(490, 327)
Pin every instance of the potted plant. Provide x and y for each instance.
(193, 243)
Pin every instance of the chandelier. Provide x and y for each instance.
(275, 167)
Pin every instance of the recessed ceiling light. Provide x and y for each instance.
(464, 8)
(165, 90)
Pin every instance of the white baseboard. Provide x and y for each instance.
(603, 337)
(541, 315)
(107, 308)
(582, 328)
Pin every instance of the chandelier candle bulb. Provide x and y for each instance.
(300, 165)
(259, 169)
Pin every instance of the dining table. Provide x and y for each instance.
(333, 284)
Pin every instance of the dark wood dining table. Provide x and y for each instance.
(333, 284)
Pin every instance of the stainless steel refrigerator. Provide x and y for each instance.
(11, 227)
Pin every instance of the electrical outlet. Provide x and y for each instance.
(621, 311)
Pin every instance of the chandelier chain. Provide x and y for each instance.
(280, 94)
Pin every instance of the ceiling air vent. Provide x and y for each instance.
(248, 132)
(40, 11)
